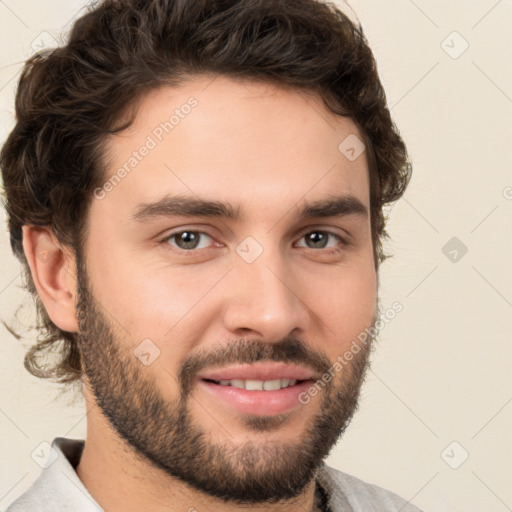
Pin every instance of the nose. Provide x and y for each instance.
(262, 299)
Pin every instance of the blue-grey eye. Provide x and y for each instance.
(319, 239)
(187, 240)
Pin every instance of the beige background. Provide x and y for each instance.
(441, 372)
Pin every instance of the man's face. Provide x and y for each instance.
(161, 315)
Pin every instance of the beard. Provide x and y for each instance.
(163, 432)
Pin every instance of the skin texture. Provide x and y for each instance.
(155, 439)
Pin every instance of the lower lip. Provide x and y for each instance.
(258, 402)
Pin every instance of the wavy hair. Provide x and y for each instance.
(71, 98)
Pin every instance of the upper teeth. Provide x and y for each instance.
(267, 385)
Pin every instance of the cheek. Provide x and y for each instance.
(149, 300)
(347, 306)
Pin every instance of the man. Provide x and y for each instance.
(196, 190)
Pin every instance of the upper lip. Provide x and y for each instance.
(259, 371)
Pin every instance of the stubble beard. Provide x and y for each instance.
(164, 433)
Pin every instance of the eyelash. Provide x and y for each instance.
(338, 248)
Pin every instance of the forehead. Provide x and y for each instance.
(245, 143)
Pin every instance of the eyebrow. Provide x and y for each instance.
(187, 206)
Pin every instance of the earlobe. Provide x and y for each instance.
(53, 271)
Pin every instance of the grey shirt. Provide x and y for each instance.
(58, 488)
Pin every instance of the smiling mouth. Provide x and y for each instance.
(257, 385)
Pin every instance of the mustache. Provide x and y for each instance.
(288, 350)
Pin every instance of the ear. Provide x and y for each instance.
(53, 270)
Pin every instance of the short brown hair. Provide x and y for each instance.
(70, 98)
